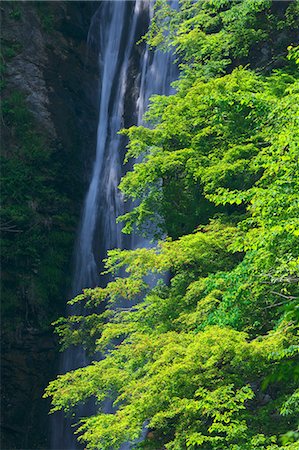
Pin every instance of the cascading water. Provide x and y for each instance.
(115, 27)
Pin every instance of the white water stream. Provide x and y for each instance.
(115, 27)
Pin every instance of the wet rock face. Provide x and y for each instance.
(47, 61)
(53, 66)
(25, 71)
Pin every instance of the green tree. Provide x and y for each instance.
(208, 359)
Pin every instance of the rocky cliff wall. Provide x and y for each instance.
(49, 122)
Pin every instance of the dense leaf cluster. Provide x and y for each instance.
(209, 358)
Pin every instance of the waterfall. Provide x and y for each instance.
(115, 28)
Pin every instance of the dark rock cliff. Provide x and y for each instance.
(49, 122)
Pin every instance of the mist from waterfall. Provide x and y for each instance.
(115, 28)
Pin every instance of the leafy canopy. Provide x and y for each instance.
(209, 358)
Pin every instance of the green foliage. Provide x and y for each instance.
(46, 17)
(193, 389)
(209, 358)
(211, 37)
(8, 50)
(294, 54)
(15, 12)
